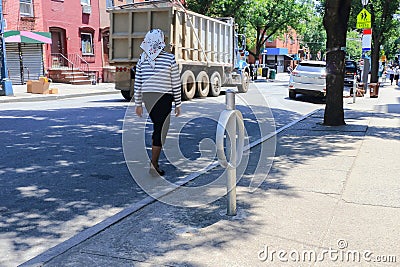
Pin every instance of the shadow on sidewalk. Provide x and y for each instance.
(63, 171)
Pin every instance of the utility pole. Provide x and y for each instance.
(5, 81)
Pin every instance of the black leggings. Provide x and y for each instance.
(159, 107)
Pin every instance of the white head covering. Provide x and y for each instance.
(152, 46)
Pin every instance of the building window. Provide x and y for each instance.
(85, 2)
(129, 1)
(87, 44)
(109, 3)
(26, 8)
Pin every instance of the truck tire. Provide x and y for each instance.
(244, 87)
(188, 85)
(292, 94)
(215, 84)
(126, 95)
(203, 84)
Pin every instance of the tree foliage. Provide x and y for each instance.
(313, 35)
(271, 18)
(353, 47)
(262, 18)
(383, 27)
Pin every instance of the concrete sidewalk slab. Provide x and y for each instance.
(366, 228)
(64, 91)
(206, 237)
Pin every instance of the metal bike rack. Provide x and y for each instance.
(354, 88)
(231, 122)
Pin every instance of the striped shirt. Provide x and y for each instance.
(164, 78)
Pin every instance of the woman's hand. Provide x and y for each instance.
(177, 111)
(139, 111)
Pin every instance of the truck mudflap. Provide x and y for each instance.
(123, 82)
(241, 79)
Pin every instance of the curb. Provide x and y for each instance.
(53, 97)
(79, 238)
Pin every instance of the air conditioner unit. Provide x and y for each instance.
(86, 9)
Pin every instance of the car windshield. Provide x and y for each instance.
(311, 67)
(351, 65)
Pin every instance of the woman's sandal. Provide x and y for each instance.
(155, 170)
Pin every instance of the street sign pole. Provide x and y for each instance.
(5, 81)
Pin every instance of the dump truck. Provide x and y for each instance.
(209, 52)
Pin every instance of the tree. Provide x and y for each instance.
(382, 22)
(263, 18)
(335, 21)
(314, 36)
(353, 47)
(270, 18)
(383, 26)
(221, 8)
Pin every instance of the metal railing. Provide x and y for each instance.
(79, 63)
(59, 61)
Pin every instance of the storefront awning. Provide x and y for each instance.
(287, 57)
(27, 37)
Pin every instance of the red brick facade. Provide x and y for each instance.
(289, 41)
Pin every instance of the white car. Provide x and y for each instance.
(308, 78)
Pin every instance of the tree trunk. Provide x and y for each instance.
(375, 59)
(335, 22)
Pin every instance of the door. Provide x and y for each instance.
(58, 47)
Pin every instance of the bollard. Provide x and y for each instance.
(230, 121)
(354, 88)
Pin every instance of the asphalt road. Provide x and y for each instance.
(63, 169)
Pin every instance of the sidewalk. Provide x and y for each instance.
(331, 198)
(64, 91)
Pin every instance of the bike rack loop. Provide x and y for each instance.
(231, 122)
(355, 88)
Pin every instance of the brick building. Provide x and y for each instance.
(282, 52)
(25, 39)
(64, 39)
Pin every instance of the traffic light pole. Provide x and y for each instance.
(5, 81)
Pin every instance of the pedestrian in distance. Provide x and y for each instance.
(158, 85)
(251, 72)
(391, 74)
(396, 75)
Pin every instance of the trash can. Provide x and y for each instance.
(265, 72)
(272, 74)
(373, 90)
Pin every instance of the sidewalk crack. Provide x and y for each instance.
(370, 205)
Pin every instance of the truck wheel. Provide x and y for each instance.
(215, 84)
(188, 85)
(126, 95)
(203, 84)
(244, 87)
(292, 94)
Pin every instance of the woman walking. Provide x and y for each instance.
(157, 84)
(396, 75)
(391, 74)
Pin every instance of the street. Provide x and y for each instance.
(63, 168)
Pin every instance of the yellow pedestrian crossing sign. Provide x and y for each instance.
(363, 19)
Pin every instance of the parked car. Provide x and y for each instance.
(350, 70)
(308, 78)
